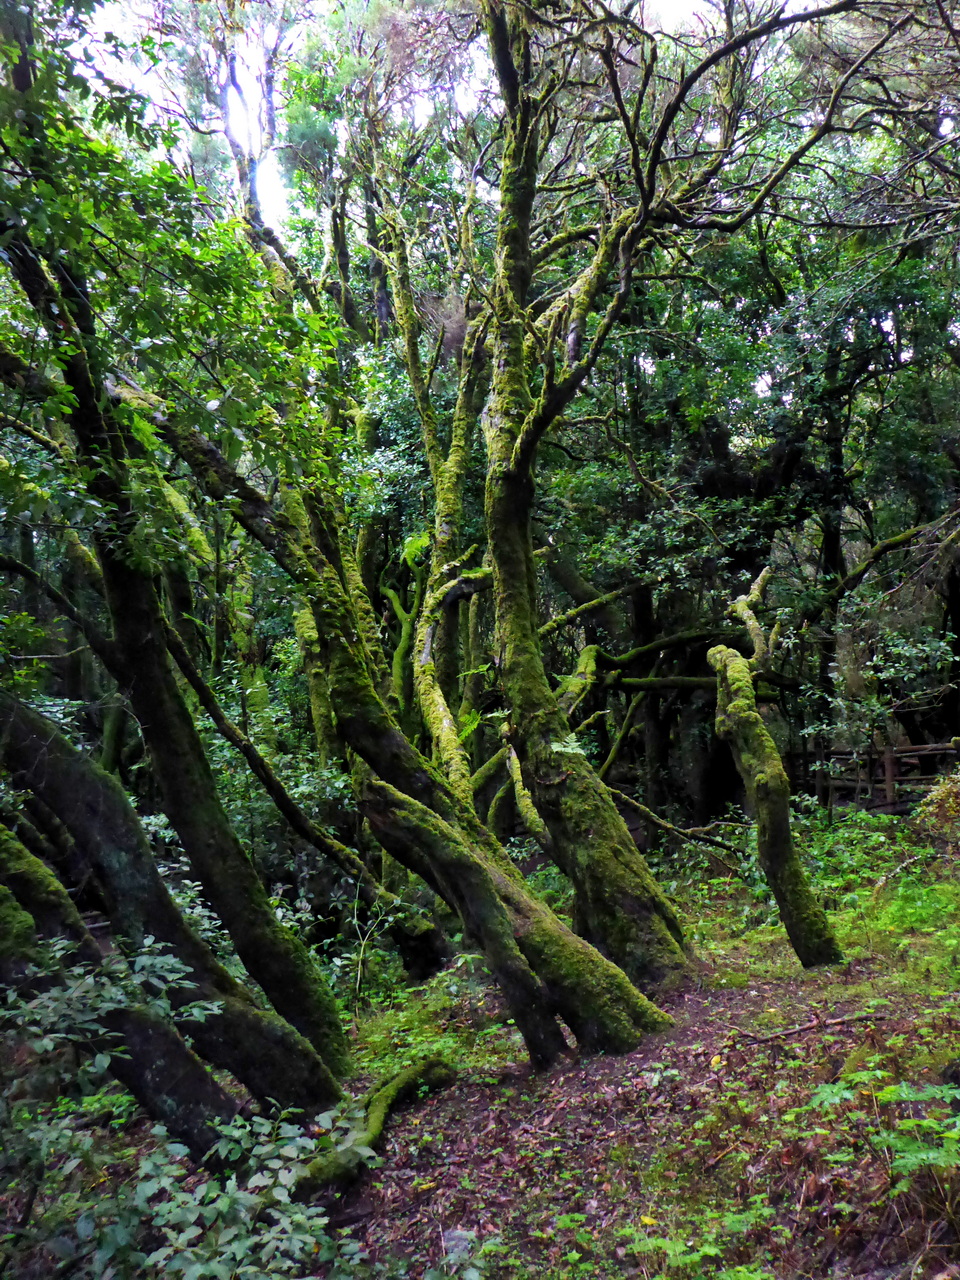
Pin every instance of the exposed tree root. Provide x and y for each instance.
(342, 1166)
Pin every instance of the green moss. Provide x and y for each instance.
(37, 894)
(457, 1016)
(18, 937)
(768, 791)
(594, 997)
(730, 979)
(340, 1166)
(193, 535)
(525, 806)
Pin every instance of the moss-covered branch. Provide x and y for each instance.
(768, 790)
(436, 710)
(564, 571)
(693, 835)
(583, 610)
(489, 770)
(338, 1167)
(525, 806)
(830, 599)
(623, 734)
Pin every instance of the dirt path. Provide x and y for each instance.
(574, 1171)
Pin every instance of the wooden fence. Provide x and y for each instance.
(889, 780)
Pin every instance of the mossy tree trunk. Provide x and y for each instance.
(147, 1054)
(618, 905)
(768, 790)
(545, 971)
(272, 955)
(137, 657)
(263, 1051)
(436, 631)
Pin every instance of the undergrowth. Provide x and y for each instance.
(779, 1147)
(788, 1152)
(458, 1015)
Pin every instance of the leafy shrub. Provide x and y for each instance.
(938, 815)
(88, 1206)
(162, 1218)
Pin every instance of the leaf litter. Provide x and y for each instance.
(697, 1155)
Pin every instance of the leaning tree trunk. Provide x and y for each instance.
(618, 906)
(271, 954)
(263, 1051)
(768, 791)
(147, 1055)
(137, 658)
(546, 972)
(59, 295)
(431, 827)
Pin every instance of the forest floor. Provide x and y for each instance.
(790, 1124)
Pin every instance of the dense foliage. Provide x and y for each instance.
(464, 467)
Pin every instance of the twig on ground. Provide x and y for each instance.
(817, 1023)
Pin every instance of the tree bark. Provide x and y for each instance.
(618, 906)
(419, 817)
(768, 792)
(147, 1055)
(263, 1051)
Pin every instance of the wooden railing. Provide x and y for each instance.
(889, 779)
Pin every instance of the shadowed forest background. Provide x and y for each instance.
(486, 637)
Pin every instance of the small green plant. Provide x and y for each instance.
(546, 879)
(461, 1258)
(66, 1001)
(167, 1220)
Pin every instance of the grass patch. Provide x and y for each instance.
(458, 1015)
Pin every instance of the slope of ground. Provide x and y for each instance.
(791, 1123)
